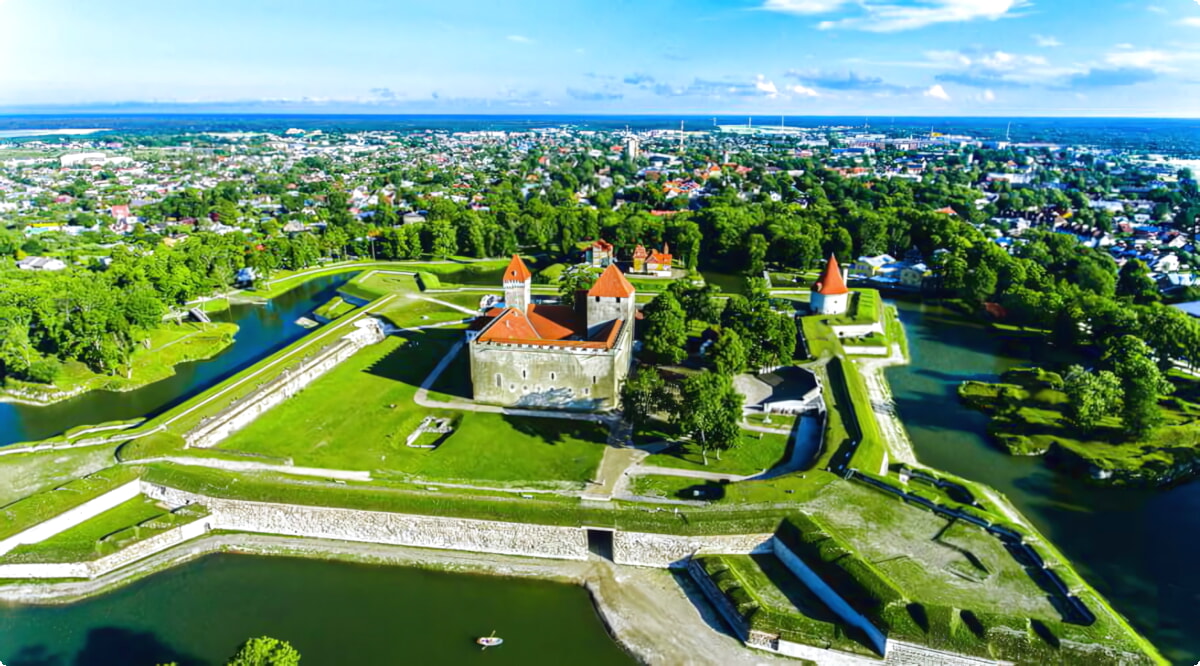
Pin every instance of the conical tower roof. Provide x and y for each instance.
(517, 271)
(830, 282)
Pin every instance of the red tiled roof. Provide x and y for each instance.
(830, 282)
(612, 284)
(554, 322)
(517, 271)
(514, 327)
(602, 246)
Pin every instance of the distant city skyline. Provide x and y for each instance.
(757, 57)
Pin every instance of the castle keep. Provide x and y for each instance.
(528, 354)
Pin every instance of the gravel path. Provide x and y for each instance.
(884, 406)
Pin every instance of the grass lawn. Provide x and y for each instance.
(135, 520)
(34, 509)
(729, 284)
(412, 309)
(169, 345)
(756, 452)
(25, 474)
(819, 338)
(1027, 418)
(358, 415)
(928, 557)
(333, 308)
(792, 488)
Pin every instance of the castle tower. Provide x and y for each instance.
(612, 297)
(829, 293)
(517, 281)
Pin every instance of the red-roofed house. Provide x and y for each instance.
(554, 356)
(652, 262)
(600, 254)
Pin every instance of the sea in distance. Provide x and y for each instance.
(1160, 135)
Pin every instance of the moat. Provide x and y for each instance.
(1135, 546)
(262, 329)
(332, 612)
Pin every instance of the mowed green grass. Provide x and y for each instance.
(82, 541)
(756, 452)
(358, 416)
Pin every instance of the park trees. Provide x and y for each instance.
(574, 280)
(1090, 396)
(643, 395)
(666, 329)
(710, 409)
(1135, 283)
(265, 651)
(728, 355)
(1142, 384)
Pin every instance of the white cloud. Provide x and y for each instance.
(894, 17)
(520, 39)
(766, 86)
(936, 91)
(803, 6)
(988, 96)
(804, 91)
(1046, 41)
(1153, 59)
(1191, 21)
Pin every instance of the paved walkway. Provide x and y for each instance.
(448, 304)
(247, 466)
(884, 406)
(611, 474)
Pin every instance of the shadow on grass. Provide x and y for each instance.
(556, 431)
(412, 361)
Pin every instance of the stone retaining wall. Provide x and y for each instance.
(72, 517)
(481, 536)
(866, 350)
(103, 565)
(664, 550)
(213, 430)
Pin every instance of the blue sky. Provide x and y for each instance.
(795, 57)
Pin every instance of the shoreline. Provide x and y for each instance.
(654, 615)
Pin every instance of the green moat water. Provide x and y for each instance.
(1136, 546)
(333, 612)
(262, 329)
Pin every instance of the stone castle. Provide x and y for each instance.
(528, 354)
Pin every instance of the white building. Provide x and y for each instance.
(41, 264)
(829, 293)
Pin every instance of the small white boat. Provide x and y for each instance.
(489, 641)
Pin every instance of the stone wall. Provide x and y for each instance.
(664, 550)
(213, 430)
(532, 376)
(858, 330)
(866, 350)
(72, 517)
(103, 565)
(480, 536)
(827, 594)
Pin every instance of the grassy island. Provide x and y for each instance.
(153, 360)
(1027, 410)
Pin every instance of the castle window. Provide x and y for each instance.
(498, 384)
(512, 387)
(618, 299)
(597, 299)
(553, 376)
(587, 391)
(593, 380)
(524, 374)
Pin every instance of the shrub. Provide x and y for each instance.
(428, 281)
(43, 370)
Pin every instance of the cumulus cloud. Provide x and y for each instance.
(1046, 41)
(1191, 21)
(936, 91)
(987, 96)
(804, 91)
(520, 39)
(982, 68)
(765, 86)
(895, 16)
